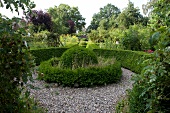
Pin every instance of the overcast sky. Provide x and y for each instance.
(87, 8)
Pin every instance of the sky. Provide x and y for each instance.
(87, 8)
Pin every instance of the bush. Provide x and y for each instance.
(83, 43)
(129, 59)
(136, 38)
(77, 57)
(81, 77)
(15, 66)
(92, 46)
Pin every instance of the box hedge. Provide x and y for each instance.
(47, 53)
(83, 77)
(131, 60)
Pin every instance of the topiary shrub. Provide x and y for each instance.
(105, 72)
(77, 57)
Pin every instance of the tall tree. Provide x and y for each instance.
(131, 16)
(104, 15)
(63, 17)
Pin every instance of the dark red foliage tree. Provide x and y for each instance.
(71, 25)
(40, 18)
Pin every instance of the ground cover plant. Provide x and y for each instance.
(80, 71)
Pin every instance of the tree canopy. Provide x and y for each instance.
(66, 19)
(131, 16)
(103, 16)
(41, 20)
(16, 4)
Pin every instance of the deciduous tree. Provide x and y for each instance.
(103, 17)
(66, 19)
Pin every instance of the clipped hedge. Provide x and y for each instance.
(131, 60)
(83, 77)
(78, 57)
(47, 53)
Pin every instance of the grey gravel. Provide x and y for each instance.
(103, 99)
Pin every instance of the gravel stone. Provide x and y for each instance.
(103, 99)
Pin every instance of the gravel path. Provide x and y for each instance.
(57, 99)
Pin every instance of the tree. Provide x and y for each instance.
(104, 15)
(130, 16)
(41, 20)
(66, 19)
(26, 5)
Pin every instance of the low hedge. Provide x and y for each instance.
(47, 53)
(83, 77)
(131, 60)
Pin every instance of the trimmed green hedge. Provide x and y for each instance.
(131, 60)
(84, 77)
(78, 57)
(47, 53)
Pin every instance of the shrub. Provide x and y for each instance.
(136, 38)
(83, 43)
(15, 66)
(81, 77)
(77, 57)
(92, 46)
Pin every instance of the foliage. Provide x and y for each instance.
(41, 20)
(128, 59)
(151, 88)
(44, 54)
(77, 57)
(68, 40)
(131, 38)
(53, 40)
(66, 19)
(102, 17)
(16, 4)
(91, 45)
(130, 16)
(40, 36)
(94, 36)
(83, 43)
(15, 62)
(82, 77)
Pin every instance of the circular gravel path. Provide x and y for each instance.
(103, 99)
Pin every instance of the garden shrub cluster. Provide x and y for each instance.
(76, 57)
(129, 59)
(80, 77)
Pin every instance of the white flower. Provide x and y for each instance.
(25, 43)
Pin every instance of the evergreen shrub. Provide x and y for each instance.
(81, 77)
(78, 57)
